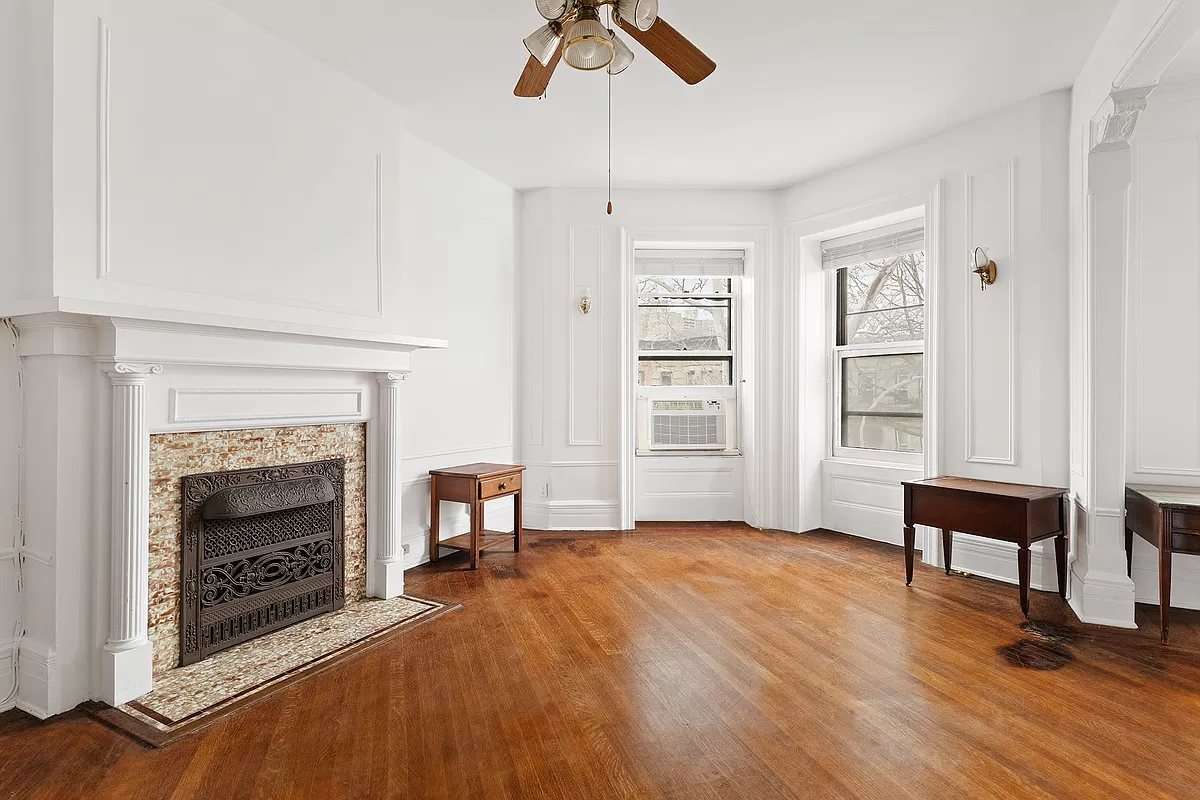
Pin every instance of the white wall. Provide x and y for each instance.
(1003, 352)
(1163, 415)
(570, 396)
(457, 282)
(9, 437)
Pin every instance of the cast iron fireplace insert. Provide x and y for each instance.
(262, 550)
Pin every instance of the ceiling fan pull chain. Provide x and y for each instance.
(610, 207)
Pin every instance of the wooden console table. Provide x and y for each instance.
(474, 484)
(1167, 517)
(1009, 512)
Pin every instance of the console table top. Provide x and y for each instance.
(1017, 491)
(1170, 496)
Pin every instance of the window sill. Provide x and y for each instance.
(874, 464)
(688, 454)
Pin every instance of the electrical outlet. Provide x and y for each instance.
(406, 548)
(545, 490)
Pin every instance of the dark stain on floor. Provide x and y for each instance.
(1036, 654)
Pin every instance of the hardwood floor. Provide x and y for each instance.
(682, 662)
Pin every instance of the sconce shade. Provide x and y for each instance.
(622, 56)
(642, 14)
(543, 42)
(589, 46)
(555, 9)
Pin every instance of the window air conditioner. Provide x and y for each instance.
(687, 425)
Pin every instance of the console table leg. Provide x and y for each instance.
(1129, 552)
(1060, 556)
(435, 519)
(1023, 570)
(910, 544)
(947, 547)
(1164, 583)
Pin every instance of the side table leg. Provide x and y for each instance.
(910, 544)
(517, 522)
(476, 524)
(1129, 552)
(435, 520)
(947, 547)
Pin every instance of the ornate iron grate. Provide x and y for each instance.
(262, 549)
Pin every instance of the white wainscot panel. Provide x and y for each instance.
(1185, 576)
(991, 320)
(1165, 328)
(865, 500)
(689, 489)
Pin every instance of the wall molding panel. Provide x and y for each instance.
(103, 116)
(577, 356)
(1003, 179)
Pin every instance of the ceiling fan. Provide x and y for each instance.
(575, 33)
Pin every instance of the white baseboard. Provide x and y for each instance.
(39, 693)
(8, 674)
(997, 560)
(1103, 599)
(592, 515)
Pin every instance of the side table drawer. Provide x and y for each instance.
(496, 487)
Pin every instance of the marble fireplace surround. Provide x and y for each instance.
(96, 389)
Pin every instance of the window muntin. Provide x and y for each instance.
(685, 331)
(879, 355)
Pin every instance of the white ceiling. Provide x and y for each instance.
(802, 86)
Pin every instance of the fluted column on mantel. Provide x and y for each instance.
(127, 659)
(388, 564)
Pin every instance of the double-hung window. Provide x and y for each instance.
(686, 303)
(879, 343)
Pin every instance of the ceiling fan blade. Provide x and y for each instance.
(536, 78)
(671, 48)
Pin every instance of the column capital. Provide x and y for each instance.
(391, 378)
(1113, 125)
(131, 372)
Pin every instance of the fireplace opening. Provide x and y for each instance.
(262, 549)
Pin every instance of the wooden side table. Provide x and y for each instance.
(1010, 512)
(1167, 517)
(474, 484)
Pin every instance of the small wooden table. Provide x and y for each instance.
(1167, 517)
(474, 484)
(1010, 512)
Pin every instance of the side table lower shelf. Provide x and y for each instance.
(487, 540)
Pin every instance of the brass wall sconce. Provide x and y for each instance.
(585, 300)
(985, 268)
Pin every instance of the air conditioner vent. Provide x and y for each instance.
(687, 425)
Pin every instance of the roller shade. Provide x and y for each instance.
(846, 251)
(690, 263)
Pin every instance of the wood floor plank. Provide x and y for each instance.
(682, 661)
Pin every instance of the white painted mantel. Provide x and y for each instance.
(97, 380)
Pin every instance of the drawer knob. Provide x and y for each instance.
(503, 486)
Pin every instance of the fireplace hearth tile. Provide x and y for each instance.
(185, 695)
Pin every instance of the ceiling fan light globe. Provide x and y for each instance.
(589, 46)
(642, 14)
(622, 56)
(555, 9)
(542, 43)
